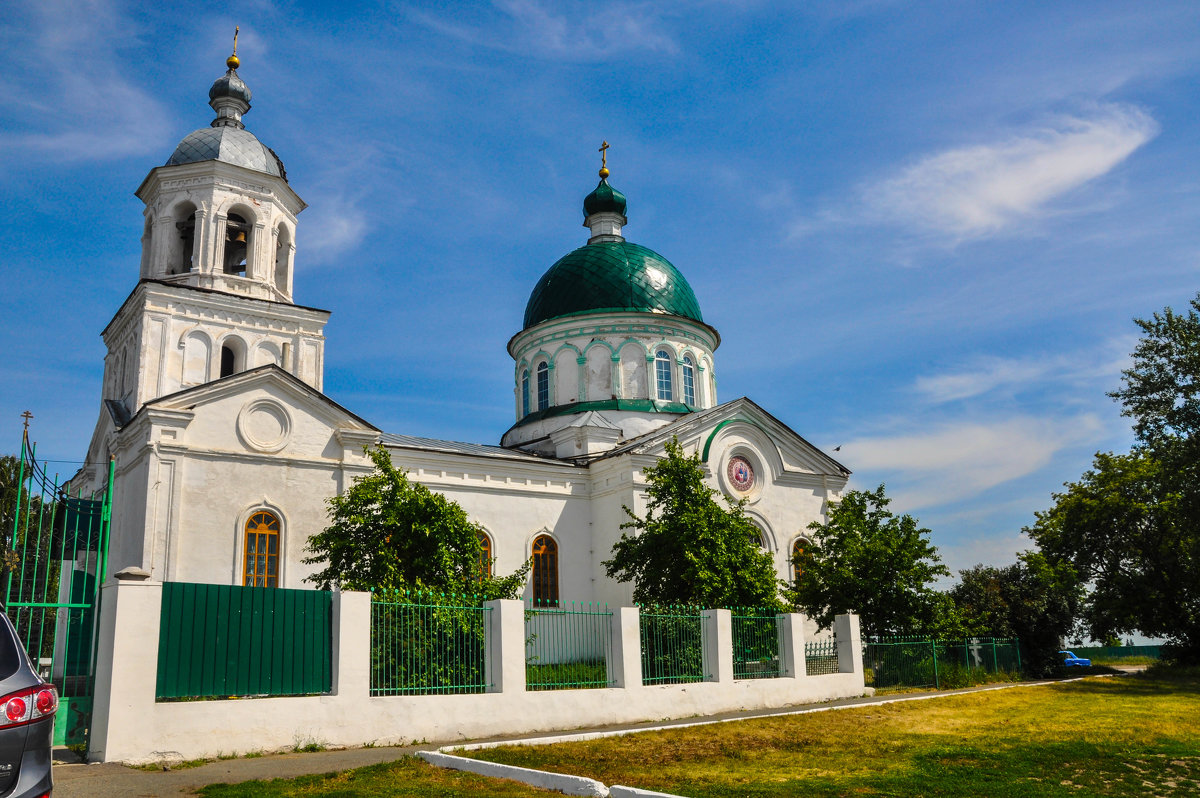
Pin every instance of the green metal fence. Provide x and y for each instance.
(672, 643)
(567, 647)
(925, 662)
(755, 644)
(228, 640)
(428, 643)
(821, 657)
(56, 560)
(1117, 653)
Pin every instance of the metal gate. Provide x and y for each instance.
(53, 567)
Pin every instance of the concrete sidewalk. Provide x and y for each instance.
(77, 780)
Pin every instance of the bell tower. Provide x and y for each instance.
(215, 294)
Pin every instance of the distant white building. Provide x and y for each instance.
(227, 450)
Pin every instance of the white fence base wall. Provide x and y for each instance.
(130, 726)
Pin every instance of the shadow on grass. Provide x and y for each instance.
(1157, 681)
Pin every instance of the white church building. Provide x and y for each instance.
(227, 449)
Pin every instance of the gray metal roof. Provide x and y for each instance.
(229, 144)
(456, 447)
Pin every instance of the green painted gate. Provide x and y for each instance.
(53, 566)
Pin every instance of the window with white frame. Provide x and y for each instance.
(525, 392)
(688, 373)
(662, 375)
(543, 386)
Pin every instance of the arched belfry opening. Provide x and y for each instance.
(237, 241)
(233, 357)
(184, 251)
(283, 257)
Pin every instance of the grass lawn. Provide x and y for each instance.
(1127, 735)
(409, 777)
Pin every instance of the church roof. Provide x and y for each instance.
(229, 144)
(605, 199)
(611, 276)
(456, 447)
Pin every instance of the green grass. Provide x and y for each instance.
(1128, 735)
(409, 777)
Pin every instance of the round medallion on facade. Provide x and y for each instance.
(740, 474)
(264, 425)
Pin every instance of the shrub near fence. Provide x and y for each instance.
(428, 643)
(923, 662)
(228, 640)
(672, 642)
(567, 648)
(755, 644)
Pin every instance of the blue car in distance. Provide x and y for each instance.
(1069, 659)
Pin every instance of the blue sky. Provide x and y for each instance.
(922, 229)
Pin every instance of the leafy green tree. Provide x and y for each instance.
(689, 549)
(868, 561)
(1131, 524)
(388, 533)
(1033, 600)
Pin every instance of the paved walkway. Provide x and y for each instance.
(75, 780)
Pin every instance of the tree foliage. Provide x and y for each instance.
(1032, 599)
(1131, 524)
(389, 533)
(868, 561)
(688, 548)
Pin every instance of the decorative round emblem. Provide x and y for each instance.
(740, 473)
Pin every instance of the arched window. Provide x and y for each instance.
(485, 555)
(689, 380)
(525, 393)
(662, 375)
(545, 571)
(233, 356)
(798, 550)
(237, 238)
(543, 386)
(187, 238)
(261, 567)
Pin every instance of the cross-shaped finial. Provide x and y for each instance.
(236, 29)
(604, 155)
(27, 416)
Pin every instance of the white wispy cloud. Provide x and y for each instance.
(82, 103)
(959, 459)
(991, 374)
(980, 190)
(574, 32)
(336, 228)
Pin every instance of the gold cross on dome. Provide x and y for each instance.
(236, 29)
(604, 155)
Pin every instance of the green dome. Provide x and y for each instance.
(611, 276)
(604, 198)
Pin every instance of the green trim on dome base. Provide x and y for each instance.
(611, 276)
(632, 405)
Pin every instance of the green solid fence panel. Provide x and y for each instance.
(428, 644)
(232, 641)
(821, 657)
(1103, 653)
(672, 643)
(755, 644)
(568, 648)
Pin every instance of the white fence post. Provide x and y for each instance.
(126, 667)
(791, 646)
(625, 665)
(849, 644)
(351, 644)
(506, 646)
(718, 645)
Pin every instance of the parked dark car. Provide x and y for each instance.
(27, 706)
(1070, 660)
